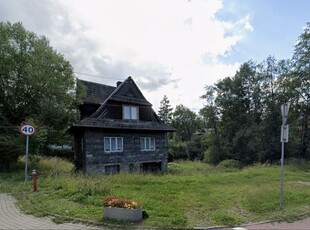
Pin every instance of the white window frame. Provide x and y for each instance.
(133, 112)
(118, 142)
(147, 144)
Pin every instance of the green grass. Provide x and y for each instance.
(189, 194)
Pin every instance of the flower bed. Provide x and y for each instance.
(113, 201)
(122, 209)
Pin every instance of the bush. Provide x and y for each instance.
(294, 160)
(297, 163)
(196, 147)
(230, 164)
(177, 150)
(62, 153)
(211, 156)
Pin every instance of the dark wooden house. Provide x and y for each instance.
(119, 131)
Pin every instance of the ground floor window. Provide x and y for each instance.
(147, 143)
(113, 144)
(151, 167)
(111, 169)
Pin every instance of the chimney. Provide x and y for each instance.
(118, 83)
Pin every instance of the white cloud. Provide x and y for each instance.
(168, 47)
(246, 24)
(172, 36)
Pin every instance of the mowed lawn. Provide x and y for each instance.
(189, 194)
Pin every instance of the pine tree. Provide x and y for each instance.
(165, 110)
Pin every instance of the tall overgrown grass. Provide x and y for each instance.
(188, 194)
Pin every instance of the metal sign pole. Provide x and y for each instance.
(27, 130)
(56, 169)
(26, 160)
(284, 138)
(281, 176)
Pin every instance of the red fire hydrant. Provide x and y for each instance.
(34, 179)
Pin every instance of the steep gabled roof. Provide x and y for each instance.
(96, 93)
(124, 124)
(127, 92)
(129, 89)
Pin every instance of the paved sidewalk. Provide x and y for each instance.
(12, 219)
(297, 225)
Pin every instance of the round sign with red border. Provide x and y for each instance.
(27, 129)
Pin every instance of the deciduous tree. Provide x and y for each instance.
(36, 83)
(185, 122)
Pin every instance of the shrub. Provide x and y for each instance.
(211, 156)
(196, 147)
(62, 153)
(49, 164)
(177, 150)
(297, 163)
(294, 160)
(230, 164)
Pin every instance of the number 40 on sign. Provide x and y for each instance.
(27, 129)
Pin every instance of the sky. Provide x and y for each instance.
(169, 47)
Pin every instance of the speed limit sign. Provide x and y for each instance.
(27, 129)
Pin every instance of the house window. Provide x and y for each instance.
(111, 169)
(113, 144)
(151, 167)
(130, 112)
(147, 143)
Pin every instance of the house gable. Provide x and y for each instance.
(127, 93)
(129, 90)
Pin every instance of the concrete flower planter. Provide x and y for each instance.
(123, 214)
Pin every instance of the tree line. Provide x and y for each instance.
(37, 86)
(241, 119)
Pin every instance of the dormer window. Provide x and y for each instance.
(130, 112)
